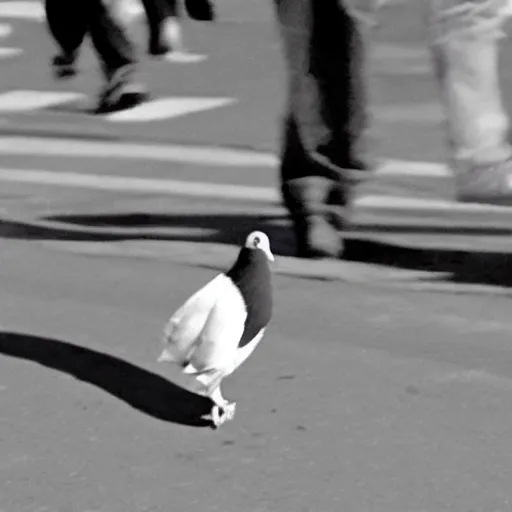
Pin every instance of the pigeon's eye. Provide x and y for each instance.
(257, 241)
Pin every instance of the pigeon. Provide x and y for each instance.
(221, 324)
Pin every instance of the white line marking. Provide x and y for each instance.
(5, 30)
(25, 101)
(421, 204)
(184, 57)
(167, 108)
(142, 185)
(202, 155)
(215, 190)
(23, 10)
(6, 53)
(415, 169)
(211, 156)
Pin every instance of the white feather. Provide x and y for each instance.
(204, 333)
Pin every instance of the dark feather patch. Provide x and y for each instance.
(251, 274)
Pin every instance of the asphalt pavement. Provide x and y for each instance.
(383, 384)
(232, 102)
(358, 399)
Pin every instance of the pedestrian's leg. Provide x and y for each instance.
(164, 28)
(464, 41)
(117, 55)
(200, 10)
(325, 121)
(67, 24)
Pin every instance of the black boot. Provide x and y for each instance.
(317, 209)
(200, 10)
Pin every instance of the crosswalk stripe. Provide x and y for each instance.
(185, 57)
(22, 10)
(154, 110)
(25, 101)
(222, 191)
(168, 108)
(422, 204)
(6, 53)
(413, 169)
(141, 185)
(211, 156)
(201, 155)
(5, 30)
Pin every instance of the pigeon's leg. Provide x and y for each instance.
(222, 410)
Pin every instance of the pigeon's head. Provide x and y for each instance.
(259, 240)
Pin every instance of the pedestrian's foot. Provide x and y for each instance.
(317, 209)
(200, 10)
(487, 184)
(167, 39)
(317, 239)
(63, 66)
(130, 96)
(120, 93)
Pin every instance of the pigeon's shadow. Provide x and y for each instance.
(139, 388)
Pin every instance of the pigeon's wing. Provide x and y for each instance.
(245, 351)
(217, 345)
(186, 324)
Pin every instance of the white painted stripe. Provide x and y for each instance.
(210, 156)
(201, 155)
(421, 204)
(413, 169)
(23, 10)
(167, 108)
(5, 30)
(25, 101)
(141, 185)
(223, 191)
(184, 57)
(6, 53)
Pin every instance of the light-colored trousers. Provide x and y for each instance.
(464, 38)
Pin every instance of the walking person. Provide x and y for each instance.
(200, 10)
(69, 23)
(325, 124)
(325, 121)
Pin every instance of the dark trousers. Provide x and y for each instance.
(325, 121)
(157, 11)
(70, 21)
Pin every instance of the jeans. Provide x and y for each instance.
(70, 21)
(464, 37)
(325, 118)
(324, 45)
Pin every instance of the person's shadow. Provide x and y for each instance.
(139, 388)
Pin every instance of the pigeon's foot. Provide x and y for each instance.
(221, 414)
(229, 411)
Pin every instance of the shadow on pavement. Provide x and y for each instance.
(470, 266)
(142, 390)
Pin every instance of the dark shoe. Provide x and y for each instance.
(200, 10)
(487, 184)
(129, 97)
(166, 39)
(317, 209)
(64, 66)
(120, 93)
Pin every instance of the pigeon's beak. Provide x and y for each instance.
(269, 254)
